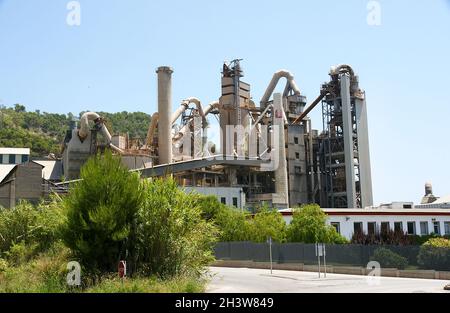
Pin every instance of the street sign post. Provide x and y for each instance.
(269, 241)
(321, 252)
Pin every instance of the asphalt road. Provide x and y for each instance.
(243, 280)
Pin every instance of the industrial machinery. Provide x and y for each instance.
(270, 151)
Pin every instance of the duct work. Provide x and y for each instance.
(271, 153)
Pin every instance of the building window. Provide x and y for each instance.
(1, 158)
(398, 227)
(24, 158)
(437, 228)
(358, 227)
(223, 200)
(297, 155)
(235, 201)
(12, 159)
(371, 228)
(411, 228)
(424, 228)
(385, 227)
(296, 140)
(447, 228)
(337, 226)
(298, 170)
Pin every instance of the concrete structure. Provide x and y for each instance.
(411, 221)
(295, 164)
(14, 155)
(229, 196)
(165, 114)
(20, 182)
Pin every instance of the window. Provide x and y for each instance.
(398, 227)
(12, 159)
(371, 228)
(357, 227)
(1, 158)
(385, 227)
(24, 158)
(297, 155)
(337, 226)
(447, 228)
(298, 170)
(437, 228)
(235, 201)
(424, 228)
(411, 228)
(407, 206)
(223, 200)
(296, 140)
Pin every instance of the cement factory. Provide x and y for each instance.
(269, 151)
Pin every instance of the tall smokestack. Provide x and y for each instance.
(165, 114)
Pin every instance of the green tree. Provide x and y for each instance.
(101, 209)
(268, 223)
(309, 226)
(172, 238)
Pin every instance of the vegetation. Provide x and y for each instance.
(390, 237)
(101, 209)
(389, 259)
(44, 132)
(172, 238)
(309, 226)
(435, 254)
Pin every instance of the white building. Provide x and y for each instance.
(14, 155)
(412, 221)
(226, 195)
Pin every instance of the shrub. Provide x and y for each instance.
(34, 226)
(394, 238)
(3, 265)
(233, 225)
(389, 259)
(172, 238)
(435, 254)
(309, 226)
(100, 211)
(267, 223)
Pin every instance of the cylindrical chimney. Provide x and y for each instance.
(165, 114)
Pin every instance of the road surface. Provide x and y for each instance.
(244, 280)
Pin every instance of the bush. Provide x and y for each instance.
(435, 254)
(267, 223)
(172, 238)
(100, 212)
(309, 226)
(389, 259)
(34, 226)
(394, 238)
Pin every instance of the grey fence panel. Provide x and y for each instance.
(290, 253)
(338, 255)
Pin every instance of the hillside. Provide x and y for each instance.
(44, 132)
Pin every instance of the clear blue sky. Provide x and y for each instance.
(108, 63)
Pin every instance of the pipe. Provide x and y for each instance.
(151, 128)
(273, 83)
(183, 107)
(84, 129)
(165, 112)
(212, 106)
(342, 68)
(323, 93)
(84, 124)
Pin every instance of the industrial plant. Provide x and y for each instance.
(269, 151)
